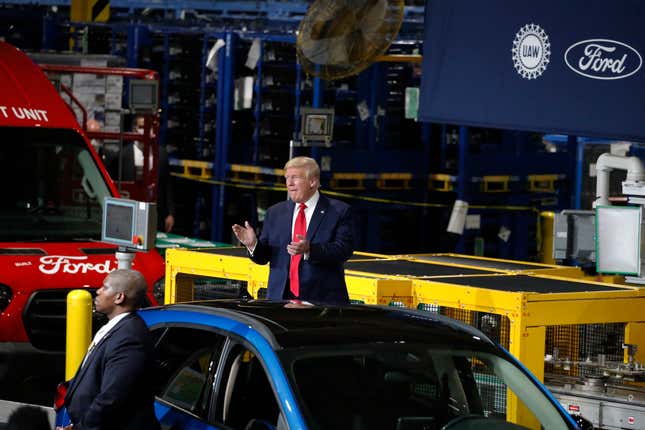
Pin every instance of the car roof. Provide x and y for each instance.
(289, 324)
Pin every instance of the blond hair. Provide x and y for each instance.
(308, 164)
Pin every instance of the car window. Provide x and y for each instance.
(188, 388)
(368, 391)
(244, 383)
(186, 360)
(406, 386)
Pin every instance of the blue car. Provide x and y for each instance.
(231, 364)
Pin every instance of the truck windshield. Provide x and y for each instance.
(53, 187)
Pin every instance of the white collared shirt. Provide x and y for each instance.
(309, 213)
(100, 334)
(107, 327)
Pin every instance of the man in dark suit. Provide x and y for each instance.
(112, 389)
(165, 193)
(306, 266)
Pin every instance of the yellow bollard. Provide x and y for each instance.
(79, 329)
(546, 233)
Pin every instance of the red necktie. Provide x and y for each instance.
(300, 228)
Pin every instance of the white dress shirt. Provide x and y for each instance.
(100, 334)
(309, 213)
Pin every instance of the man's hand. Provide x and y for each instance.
(169, 223)
(301, 246)
(69, 427)
(245, 234)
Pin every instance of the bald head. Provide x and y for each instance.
(131, 283)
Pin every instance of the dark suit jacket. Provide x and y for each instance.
(111, 161)
(114, 389)
(165, 189)
(330, 232)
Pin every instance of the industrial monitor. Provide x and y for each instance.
(143, 95)
(317, 125)
(574, 236)
(129, 224)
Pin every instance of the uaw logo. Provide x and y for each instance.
(531, 51)
(603, 59)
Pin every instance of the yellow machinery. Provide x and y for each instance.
(370, 290)
(187, 269)
(498, 264)
(528, 314)
(407, 267)
(524, 306)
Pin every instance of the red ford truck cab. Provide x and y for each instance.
(50, 225)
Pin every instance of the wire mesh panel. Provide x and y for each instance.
(492, 390)
(427, 307)
(397, 304)
(496, 327)
(205, 288)
(583, 349)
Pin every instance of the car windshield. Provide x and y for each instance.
(53, 187)
(404, 386)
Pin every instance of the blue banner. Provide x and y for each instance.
(573, 67)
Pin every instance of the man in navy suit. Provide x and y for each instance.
(303, 266)
(113, 388)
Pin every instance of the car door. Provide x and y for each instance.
(245, 397)
(187, 357)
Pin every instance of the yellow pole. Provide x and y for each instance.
(546, 232)
(79, 329)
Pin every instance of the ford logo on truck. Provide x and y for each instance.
(603, 59)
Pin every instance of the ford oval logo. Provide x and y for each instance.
(603, 59)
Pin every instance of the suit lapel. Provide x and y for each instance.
(288, 217)
(95, 353)
(317, 217)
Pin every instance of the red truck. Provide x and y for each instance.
(50, 227)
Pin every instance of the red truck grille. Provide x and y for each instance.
(44, 318)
